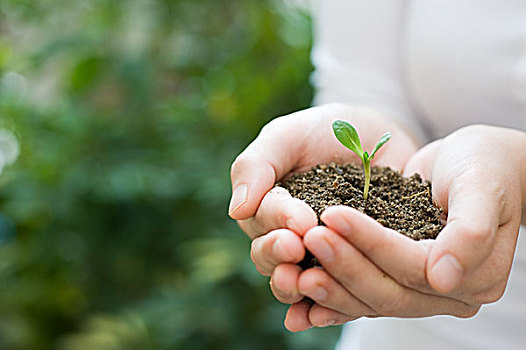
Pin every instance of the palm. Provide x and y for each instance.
(295, 143)
(312, 140)
(477, 196)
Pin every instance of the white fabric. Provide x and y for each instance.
(435, 66)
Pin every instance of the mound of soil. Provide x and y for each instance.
(402, 204)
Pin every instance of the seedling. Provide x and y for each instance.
(347, 135)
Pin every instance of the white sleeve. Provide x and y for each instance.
(358, 57)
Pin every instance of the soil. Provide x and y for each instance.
(400, 203)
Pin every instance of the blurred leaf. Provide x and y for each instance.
(85, 73)
(119, 236)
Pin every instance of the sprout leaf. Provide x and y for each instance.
(385, 137)
(347, 135)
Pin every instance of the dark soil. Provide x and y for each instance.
(402, 204)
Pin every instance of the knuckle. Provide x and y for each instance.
(290, 207)
(313, 277)
(283, 285)
(413, 279)
(242, 161)
(296, 203)
(495, 188)
(498, 192)
(279, 294)
(250, 228)
(262, 266)
(277, 192)
(265, 252)
(284, 296)
(273, 125)
(254, 257)
(276, 212)
(276, 201)
(327, 286)
(262, 271)
(476, 233)
(280, 129)
(253, 252)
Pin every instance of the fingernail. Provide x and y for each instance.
(323, 251)
(318, 293)
(447, 273)
(239, 197)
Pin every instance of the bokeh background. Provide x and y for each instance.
(128, 114)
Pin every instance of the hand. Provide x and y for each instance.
(293, 143)
(369, 270)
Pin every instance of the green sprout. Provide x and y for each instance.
(347, 135)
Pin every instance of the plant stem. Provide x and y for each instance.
(367, 173)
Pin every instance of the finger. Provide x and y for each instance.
(325, 291)
(284, 283)
(372, 286)
(277, 247)
(297, 318)
(281, 146)
(320, 316)
(279, 210)
(400, 257)
(468, 238)
(397, 255)
(260, 165)
(471, 188)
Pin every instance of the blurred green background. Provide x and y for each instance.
(113, 226)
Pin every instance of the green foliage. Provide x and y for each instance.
(348, 136)
(121, 239)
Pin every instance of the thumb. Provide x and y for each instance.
(267, 159)
(468, 237)
(251, 179)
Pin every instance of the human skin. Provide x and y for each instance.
(483, 198)
(269, 215)
(478, 177)
(295, 143)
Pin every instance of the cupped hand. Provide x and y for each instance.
(269, 215)
(477, 177)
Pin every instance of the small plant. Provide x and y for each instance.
(347, 135)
